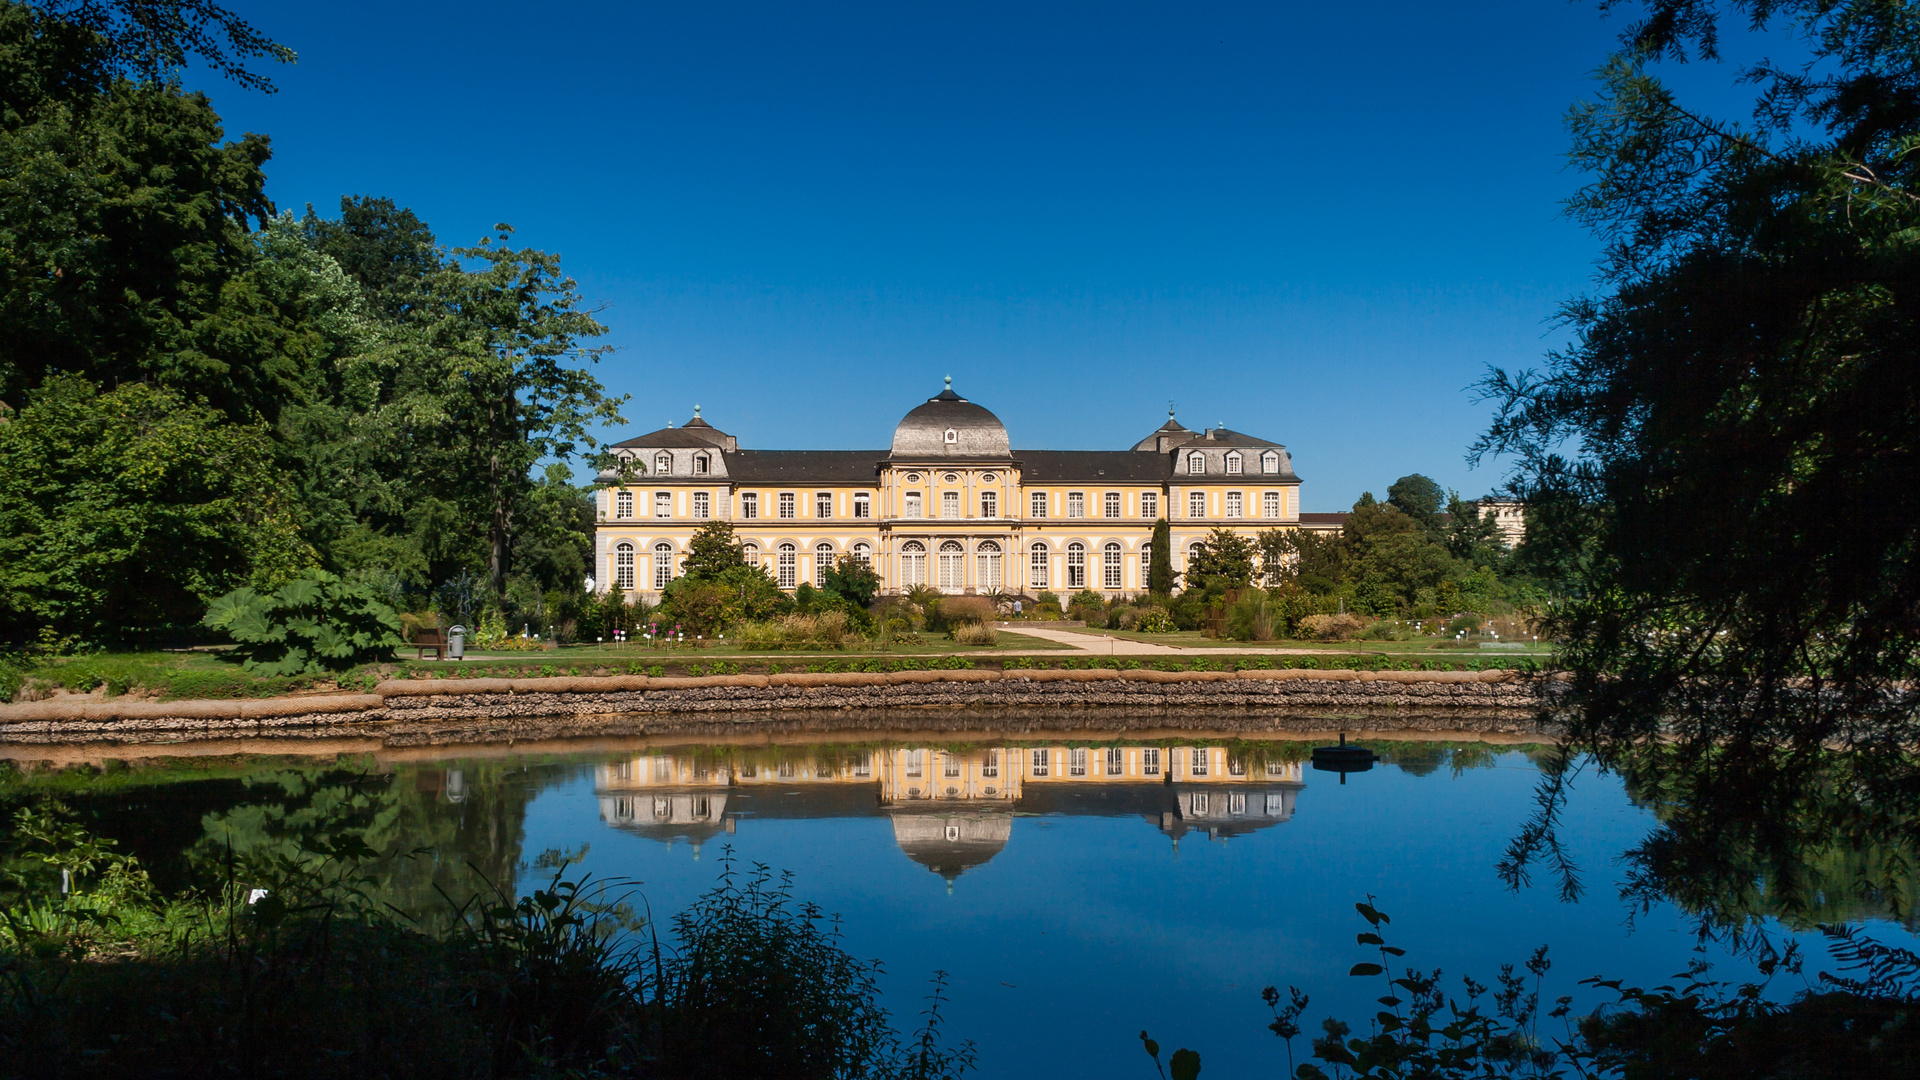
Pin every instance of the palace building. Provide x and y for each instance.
(951, 504)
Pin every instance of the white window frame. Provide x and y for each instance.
(990, 765)
(913, 563)
(1146, 565)
(1235, 504)
(1076, 565)
(787, 567)
(623, 505)
(989, 504)
(1077, 761)
(749, 505)
(1116, 761)
(950, 505)
(750, 554)
(1041, 761)
(987, 567)
(663, 464)
(823, 500)
(823, 559)
(863, 555)
(1039, 562)
(1150, 761)
(1270, 504)
(1196, 504)
(1196, 464)
(951, 562)
(912, 505)
(623, 565)
(1199, 761)
(1270, 462)
(702, 504)
(789, 506)
(1150, 504)
(862, 505)
(662, 565)
(1110, 504)
(1037, 505)
(702, 464)
(1076, 504)
(663, 504)
(1233, 463)
(1110, 564)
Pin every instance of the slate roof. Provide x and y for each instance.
(977, 432)
(1324, 521)
(1223, 437)
(679, 438)
(1092, 467)
(1174, 430)
(804, 466)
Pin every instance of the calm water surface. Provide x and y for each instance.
(1075, 893)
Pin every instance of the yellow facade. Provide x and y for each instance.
(950, 505)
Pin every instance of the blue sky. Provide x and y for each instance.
(1317, 223)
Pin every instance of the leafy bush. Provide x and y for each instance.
(316, 622)
(1251, 617)
(1330, 627)
(828, 630)
(1155, 621)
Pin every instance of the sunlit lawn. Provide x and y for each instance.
(1011, 642)
(1194, 639)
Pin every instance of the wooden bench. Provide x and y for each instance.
(430, 639)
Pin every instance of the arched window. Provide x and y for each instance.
(913, 563)
(1146, 566)
(1233, 462)
(953, 565)
(1038, 562)
(1193, 553)
(787, 566)
(1196, 464)
(663, 464)
(822, 562)
(1110, 566)
(701, 464)
(1270, 462)
(750, 554)
(1076, 565)
(863, 555)
(623, 505)
(623, 565)
(987, 562)
(662, 564)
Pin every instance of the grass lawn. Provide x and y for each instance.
(933, 645)
(1194, 639)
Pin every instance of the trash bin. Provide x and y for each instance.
(456, 643)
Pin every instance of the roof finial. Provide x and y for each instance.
(1169, 408)
(696, 411)
(949, 382)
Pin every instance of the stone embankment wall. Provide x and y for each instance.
(420, 706)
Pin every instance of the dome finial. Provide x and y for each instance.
(696, 410)
(1169, 408)
(949, 382)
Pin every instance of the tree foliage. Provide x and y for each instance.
(1728, 449)
(314, 623)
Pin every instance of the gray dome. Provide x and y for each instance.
(951, 843)
(976, 432)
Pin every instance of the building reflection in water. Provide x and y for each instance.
(951, 810)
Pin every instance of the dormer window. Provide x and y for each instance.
(663, 464)
(1233, 463)
(701, 463)
(952, 437)
(1269, 462)
(1196, 464)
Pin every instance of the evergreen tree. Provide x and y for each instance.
(1160, 580)
(712, 551)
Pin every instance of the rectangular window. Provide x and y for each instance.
(916, 762)
(913, 504)
(1038, 505)
(623, 505)
(787, 505)
(1146, 565)
(823, 504)
(1233, 504)
(1076, 567)
(823, 561)
(786, 567)
(1270, 504)
(990, 766)
(1149, 504)
(1276, 804)
(750, 505)
(1040, 761)
(1197, 504)
(949, 504)
(623, 566)
(663, 504)
(1076, 504)
(1276, 768)
(862, 768)
(1202, 805)
(1115, 764)
(1112, 504)
(862, 505)
(1196, 464)
(1197, 761)
(1236, 766)
(1037, 563)
(1077, 761)
(1110, 567)
(1236, 802)
(949, 766)
(702, 504)
(1233, 464)
(989, 504)
(1150, 761)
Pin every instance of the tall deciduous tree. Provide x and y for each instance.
(1738, 421)
(505, 335)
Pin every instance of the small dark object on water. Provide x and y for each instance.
(1343, 759)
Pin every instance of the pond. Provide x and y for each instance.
(1075, 889)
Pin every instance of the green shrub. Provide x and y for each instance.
(1330, 627)
(1251, 617)
(975, 633)
(1155, 621)
(314, 623)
